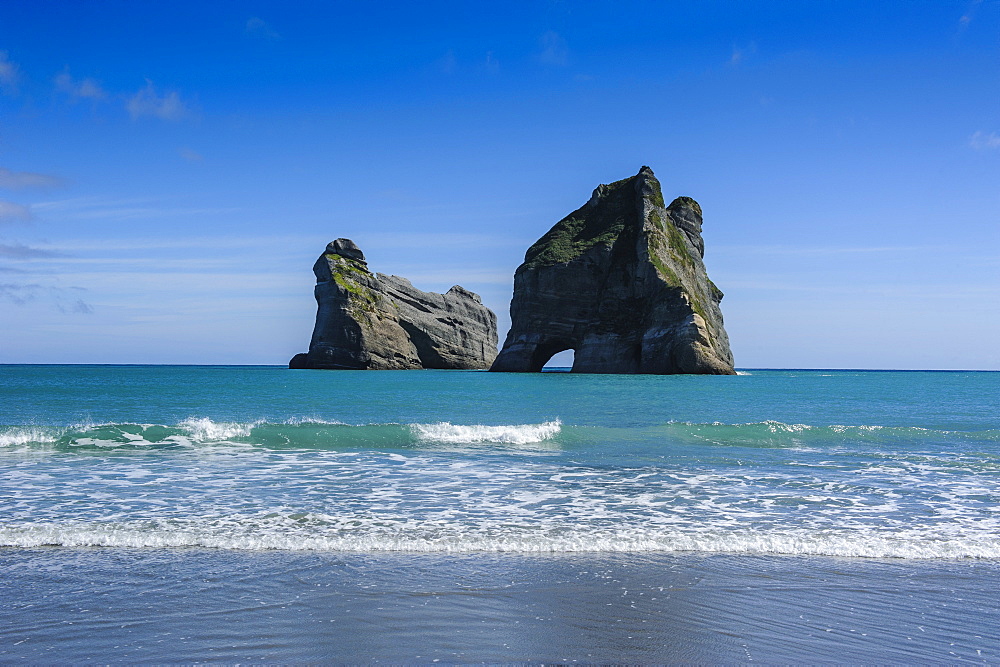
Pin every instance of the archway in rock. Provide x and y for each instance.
(560, 361)
(545, 351)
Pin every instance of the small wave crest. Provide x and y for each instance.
(306, 433)
(512, 434)
(203, 429)
(310, 532)
(778, 434)
(23, 435)
(313, 433)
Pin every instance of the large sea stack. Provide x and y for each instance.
(621, 282)
(380, 322)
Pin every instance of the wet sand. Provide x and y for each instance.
(186, 605)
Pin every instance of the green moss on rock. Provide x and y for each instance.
(665, 271)
(686, 201)
(656, 196)
(678, 246)
(587, 227)
(343, 271)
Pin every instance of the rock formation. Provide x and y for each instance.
(380, 322)
(621, 282)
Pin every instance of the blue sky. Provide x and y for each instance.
(170, 171)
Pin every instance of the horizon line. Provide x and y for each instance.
(748, 368)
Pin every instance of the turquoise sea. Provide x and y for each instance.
(258, 514)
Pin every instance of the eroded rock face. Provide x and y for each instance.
(621, 282)
(380, 322)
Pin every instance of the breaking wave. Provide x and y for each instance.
(314, 433)
(305, 532)
(517, 434)
(309, 433)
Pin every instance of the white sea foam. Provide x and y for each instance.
(307, 421)
(514, 434)
(341, 534)
(781, 427)
(24, 435)
(203, 429)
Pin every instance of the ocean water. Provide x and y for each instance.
(157, 513)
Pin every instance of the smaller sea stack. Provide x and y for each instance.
(367, 321)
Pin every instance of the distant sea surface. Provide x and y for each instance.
(209, 513)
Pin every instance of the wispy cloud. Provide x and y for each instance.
(258, 28)
(921, 291)
(554, 50)
(10, 74)
(20, 294)
(970, 13)
(148, 102)
(11, 212)
(739, 53)
(65, 300)
(492, 64)
(984, 141)
(21, 180)
(468, 276)
(97, 208)
(797, 251)
(78, 306)
(442, 240)
(195, 242)
(79, 89)
(20, 251)
(190, 155)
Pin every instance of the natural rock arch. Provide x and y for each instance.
(620, 281)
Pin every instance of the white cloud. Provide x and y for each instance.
(10, 212)
(79, 89)
(983, 141)
(147, 102)
(258, 28)
(19, 180)
(9, 74)
(554, 50)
